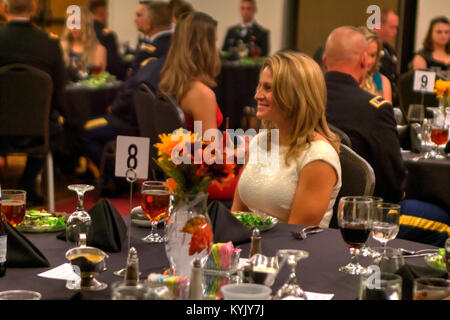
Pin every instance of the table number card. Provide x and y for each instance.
(424, 81)
(132, 152)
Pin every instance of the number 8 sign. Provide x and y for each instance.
(132, 153)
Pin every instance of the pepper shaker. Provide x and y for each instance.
(255, 244)
(132, 270)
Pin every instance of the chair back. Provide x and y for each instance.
(157, 113)
(25, 101)
(407, 96)
(344, 137)
(358, 178)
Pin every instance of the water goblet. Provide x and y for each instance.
(155, 204)
(291, 289)
(384, 286)
(13, 206)
(386, 221)
(416, 113)
(425, 139)
(78, 223)
(365, 250)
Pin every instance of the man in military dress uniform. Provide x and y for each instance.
(368, 120)
(248, 31)
(115, 65)
(389, 62)
(157, 27)
(21, 42)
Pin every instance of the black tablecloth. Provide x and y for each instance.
(428, 180)
(236, 86)
(83, 103)
(318, 273)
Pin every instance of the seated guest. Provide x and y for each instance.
(369, 122)
(21, 42)
(304, 177)
(375, 82)
(155, 21)
(248, 31)
(82, 51)
(436, 46)
(107, 38)
(178, 9)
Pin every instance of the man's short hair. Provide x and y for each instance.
(181, 8)
(19, 6)
(160, 14)
(251, 1)
(94, 4)
(384, 14)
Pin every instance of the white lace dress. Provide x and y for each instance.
(267, 185)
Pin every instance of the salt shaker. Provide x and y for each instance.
(196, 283)
(132, 270)
(255, 244)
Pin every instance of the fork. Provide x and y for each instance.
(303, 233)
(418, 253)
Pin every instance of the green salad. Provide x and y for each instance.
(252, 220)
(439, 258)
(43, 218)
(99, 80)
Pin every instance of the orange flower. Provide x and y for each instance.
(442, 88)
(170, 141)
(171, 184)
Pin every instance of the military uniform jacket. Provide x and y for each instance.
(369, 122)
(255, 33)
(21, 42)
(155, 49)
(108, 39)
(389, 64)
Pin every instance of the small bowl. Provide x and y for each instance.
(246, 291)
(20, 295)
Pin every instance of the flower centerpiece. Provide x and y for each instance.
(191, 165)
(442, 91)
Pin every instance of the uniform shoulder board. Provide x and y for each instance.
(146, 61)
(148, 47)
(378, 102)
(53, 35)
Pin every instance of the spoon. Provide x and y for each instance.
(303, 233)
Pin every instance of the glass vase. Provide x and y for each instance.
(189, 232)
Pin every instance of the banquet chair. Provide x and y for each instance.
(157, 113)
(344, 137)
(25, 99)
(358, 178)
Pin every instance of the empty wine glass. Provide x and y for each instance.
(355, 225)
(291, 289)
(78, 223)
(416, 113)
(386, 221)
(155, 204)
(366, 250)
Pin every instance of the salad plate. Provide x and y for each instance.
(436, 260)
(36, 221)
(253, 220)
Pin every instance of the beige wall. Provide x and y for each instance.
(427, 10)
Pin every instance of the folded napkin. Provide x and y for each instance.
(108, 230)
(415, 132)
(21, 252)
(226, 227)
(410, 272)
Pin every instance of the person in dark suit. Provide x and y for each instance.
(115, 65)
(369, 122)
(21, 42)
(157, 27)
(248, 31)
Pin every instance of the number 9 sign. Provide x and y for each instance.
(424, 81)
(132, 153)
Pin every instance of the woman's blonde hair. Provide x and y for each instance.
(192, 55)
(370, 36)
(88, 38)
(300, 94)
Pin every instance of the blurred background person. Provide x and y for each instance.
(248, 31)
(140, 20)
(178, 9)
(107, 38)
(83, 53)
(375, 82)
(436, 46)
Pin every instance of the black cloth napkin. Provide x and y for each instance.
(108, 230)
(416, 145)
(21, 252)
(410, 272)
(225, 226)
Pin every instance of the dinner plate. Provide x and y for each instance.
(40, 229)
(264, 227)
(429, 260)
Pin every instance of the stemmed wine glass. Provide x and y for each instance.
(386, 221)
(355, 225)
(439, 136)
(78, 223)
(416, 113)
(365, 250)
(291, 288)
(155, 204)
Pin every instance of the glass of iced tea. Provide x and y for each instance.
(13, 206)
(439, 136)
(155, 204)
(431, 289)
